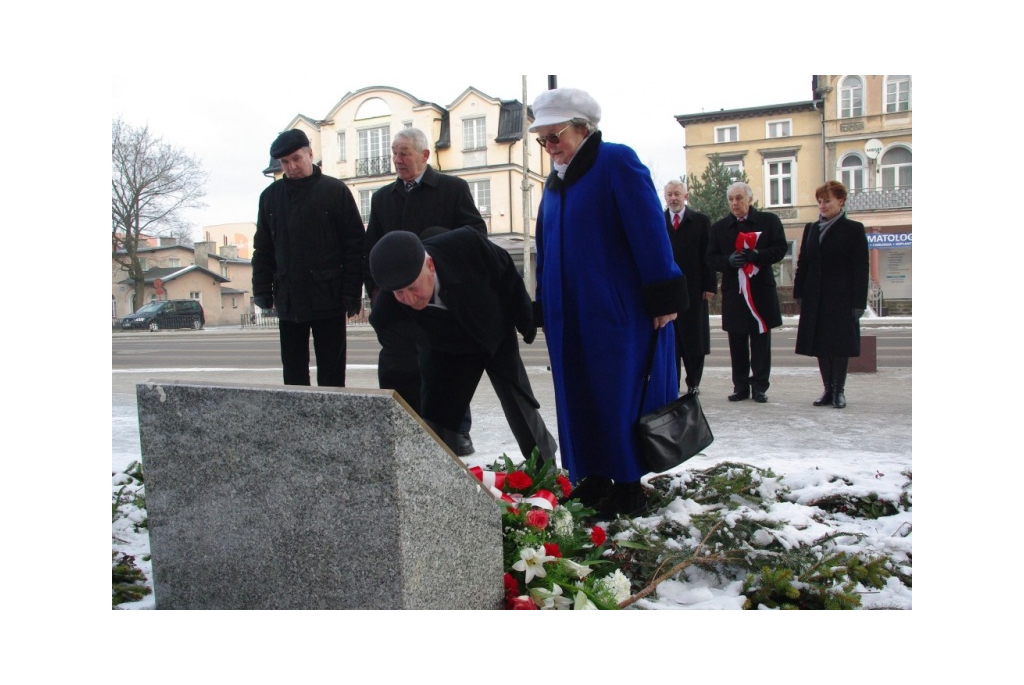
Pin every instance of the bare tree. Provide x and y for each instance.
(152, 183)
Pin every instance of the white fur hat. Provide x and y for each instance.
(559, 105)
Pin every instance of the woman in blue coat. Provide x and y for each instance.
(607, 284)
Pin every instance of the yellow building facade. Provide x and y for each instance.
(856, 129)
(779, 147)
(867, 123)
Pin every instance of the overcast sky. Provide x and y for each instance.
(229, 120)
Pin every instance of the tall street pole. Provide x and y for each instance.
(527, 207)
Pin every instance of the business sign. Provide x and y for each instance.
(879, 241)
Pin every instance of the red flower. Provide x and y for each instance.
(523, 602)
(517, 480)
(597, 535)
(564, 483)
(538, 518)
(511, 587)
(551, 549)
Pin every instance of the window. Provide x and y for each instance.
(852, 173)
(735, 169)
(727, 134)
(481, 192)
(234, 303)
(195, 295)
(786, 269)
(364, 204)
(897, 94)
(474, 134)
(372, 108)
(896, 167)
(142, 264)
(341, 147)
(374, 151)
(851, 97)
(780, 129)
(779, 174)
(173, 263)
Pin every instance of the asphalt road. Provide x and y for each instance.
(235, 348)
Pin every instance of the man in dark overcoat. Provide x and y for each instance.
(461, 300)
(307, 261)
(743, 247)
(420, 198)
(688, 233)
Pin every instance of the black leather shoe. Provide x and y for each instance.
(465, 445)
(760, 396)
(825, 400)
(593, 491)
(737, 396)
(839, 399)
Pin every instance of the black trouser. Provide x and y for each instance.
(398, 369)
(449, 383)
(692, 361)
(328, 344)
(751, 356)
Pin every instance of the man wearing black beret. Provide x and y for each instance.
(307, 261)
(460, 298)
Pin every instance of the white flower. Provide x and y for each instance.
(618, 585)
(580, 570)
(583, 602)
(550, 599)
(561, 522)
(531, 562)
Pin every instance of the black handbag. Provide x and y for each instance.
(673, 433)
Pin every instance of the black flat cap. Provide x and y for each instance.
(288, 142)
(396, 260)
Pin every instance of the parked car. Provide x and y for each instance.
(167, 314)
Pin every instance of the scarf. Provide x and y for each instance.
(824, 225)
(747, 241)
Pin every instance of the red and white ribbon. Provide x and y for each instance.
(747, 241)
(544, 499)
(495, 480)
(492, 479)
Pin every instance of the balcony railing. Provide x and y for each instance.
(373, 166)
(880, 198)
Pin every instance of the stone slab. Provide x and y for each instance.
(287, 497)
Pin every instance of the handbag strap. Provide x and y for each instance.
(647, 375)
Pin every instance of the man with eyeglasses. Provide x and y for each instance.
(420, 198)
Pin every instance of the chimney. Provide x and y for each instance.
(229, 251)
(202, 253)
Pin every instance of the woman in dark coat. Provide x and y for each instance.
(832, 286)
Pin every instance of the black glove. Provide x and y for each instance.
(737, 260)
(857, 313)
(750, 255)
(353, 305)
(264, 301)
(530, 334)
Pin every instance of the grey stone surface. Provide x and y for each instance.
(309, 498)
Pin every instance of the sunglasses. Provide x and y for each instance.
(552, 137)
